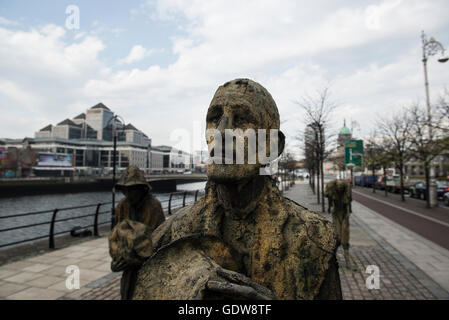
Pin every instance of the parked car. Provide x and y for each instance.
(418, 190)
(446, 198)
(442, 189)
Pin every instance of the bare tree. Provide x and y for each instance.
(318, 110)
(372, 155)
(385, 160)
(423, 146)
(396, 139)
(310, 154)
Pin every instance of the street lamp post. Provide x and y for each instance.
(114, 164)
(430, 47)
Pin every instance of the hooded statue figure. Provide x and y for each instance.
(136, 216)
(242, 239)
(340, 196)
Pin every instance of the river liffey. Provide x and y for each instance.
(19, 205)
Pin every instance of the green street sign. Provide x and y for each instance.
(354, 152)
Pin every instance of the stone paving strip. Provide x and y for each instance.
(399, 253)
(44, 277)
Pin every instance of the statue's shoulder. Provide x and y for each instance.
(310, 226)
(185, 222)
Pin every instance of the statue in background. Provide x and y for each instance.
(339, 194)
(136, 216)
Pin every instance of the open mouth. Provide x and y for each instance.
(222, 158)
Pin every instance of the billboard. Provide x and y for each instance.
(54, 160)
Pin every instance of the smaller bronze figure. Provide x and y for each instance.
(339, 194)
(136, 216)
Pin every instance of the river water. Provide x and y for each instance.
(25, 204)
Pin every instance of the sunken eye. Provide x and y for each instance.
(238, 119)
(214, 115)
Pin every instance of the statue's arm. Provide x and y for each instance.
(119, 213)
(331, 288)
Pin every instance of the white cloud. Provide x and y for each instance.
(7, 22)
(136, 54)
(288, 47)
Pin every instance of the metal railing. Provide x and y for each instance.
(173, 202)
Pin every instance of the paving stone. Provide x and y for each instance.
(32, 294)
(45, 281)
(91, 264)
(17, 265)
(56, 271)
(45, 259)
(37, 267)
(9, 288)
(76, 254)
(23, 277)
(5, 273)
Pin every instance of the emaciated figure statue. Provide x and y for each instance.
(136, 216)
(340, 196)
(242, 239)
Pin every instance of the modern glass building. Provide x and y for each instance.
(87, 140)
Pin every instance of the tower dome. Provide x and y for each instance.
(345, 129)
(344, 134)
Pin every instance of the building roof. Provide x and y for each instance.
(129, 126)
(80, 116)
(345, 129)
(162, 148)
(67, 122)
(47, 128)
(100, 106)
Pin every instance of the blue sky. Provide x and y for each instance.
(120, 28)
(158, 63)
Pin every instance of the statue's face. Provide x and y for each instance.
(134, 193)
(235, 107)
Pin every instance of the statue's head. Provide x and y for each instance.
(241, 104)
(133, 184)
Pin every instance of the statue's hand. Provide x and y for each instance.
(118, 265)
(239, 286)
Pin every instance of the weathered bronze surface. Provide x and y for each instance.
(242, 239)
(137, 215)
(339, 194)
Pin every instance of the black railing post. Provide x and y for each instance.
(196, 195)
(184, 199)
(96, 220)
(169, 203)
(52, 229)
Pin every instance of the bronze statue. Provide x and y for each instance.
(242, 239)
(339, 194)
(136, 216)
